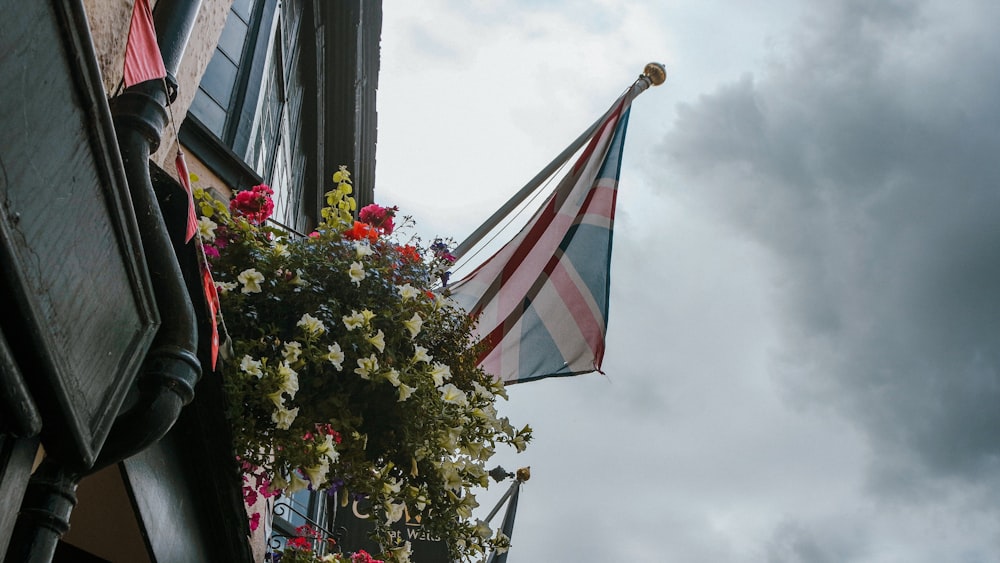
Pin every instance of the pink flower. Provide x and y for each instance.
(378, 217)
(254, 521)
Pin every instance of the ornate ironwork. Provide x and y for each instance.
(323, 540)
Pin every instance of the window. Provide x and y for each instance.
(215, 97)
(243, 98)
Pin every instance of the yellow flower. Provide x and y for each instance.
(280, 248)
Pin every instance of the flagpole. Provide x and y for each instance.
(654, 74)
(507, 528)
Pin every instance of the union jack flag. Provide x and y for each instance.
(542, 300)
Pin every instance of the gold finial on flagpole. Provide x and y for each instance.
(656, 73)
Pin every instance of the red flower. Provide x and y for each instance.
(300, 543)
(255, 204)
(254, 521)
(361, 231)
(409, 253)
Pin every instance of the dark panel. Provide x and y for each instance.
(80, 316)
(187, 488)
(16, 458)
(352, 34)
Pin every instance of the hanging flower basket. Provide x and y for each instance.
(346, 372)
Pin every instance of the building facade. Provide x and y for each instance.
(112, 435)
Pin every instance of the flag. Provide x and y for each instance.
(542, 300)
(185, 178)
(143, 60)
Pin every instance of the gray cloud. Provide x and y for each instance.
(866, 160)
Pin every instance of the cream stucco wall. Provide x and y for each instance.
(109, 23)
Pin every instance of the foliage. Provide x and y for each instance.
(346, 373)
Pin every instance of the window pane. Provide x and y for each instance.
(243, 7)
(233, 37)
(219, 79)
(208, 112)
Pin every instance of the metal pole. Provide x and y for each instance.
(653, 74)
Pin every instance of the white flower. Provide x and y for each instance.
(464, 508)
(453, 395)
(363, 249)
(251, 366)
(392, 376)
(407, 291)
(250, 279)
(393, 512)
(367, 366)
(291, 351)
(296, 483)
(335, 356)
(317, 473)
(377, 340)
(481, 391)
(391, 487)
(289, 379)
(413, 325)
(420, 355)
(328, 449)
(278, 398)
(225, 287)
(439, 373)
(482, 529)
(354, 320)
(401, 554)
(206, 229)
(405, 391)
(284, 417)
(502, 543)
(357, 272)
(311, 324)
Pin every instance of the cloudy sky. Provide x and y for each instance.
(803, 356)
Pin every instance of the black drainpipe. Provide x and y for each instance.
(171, 369)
